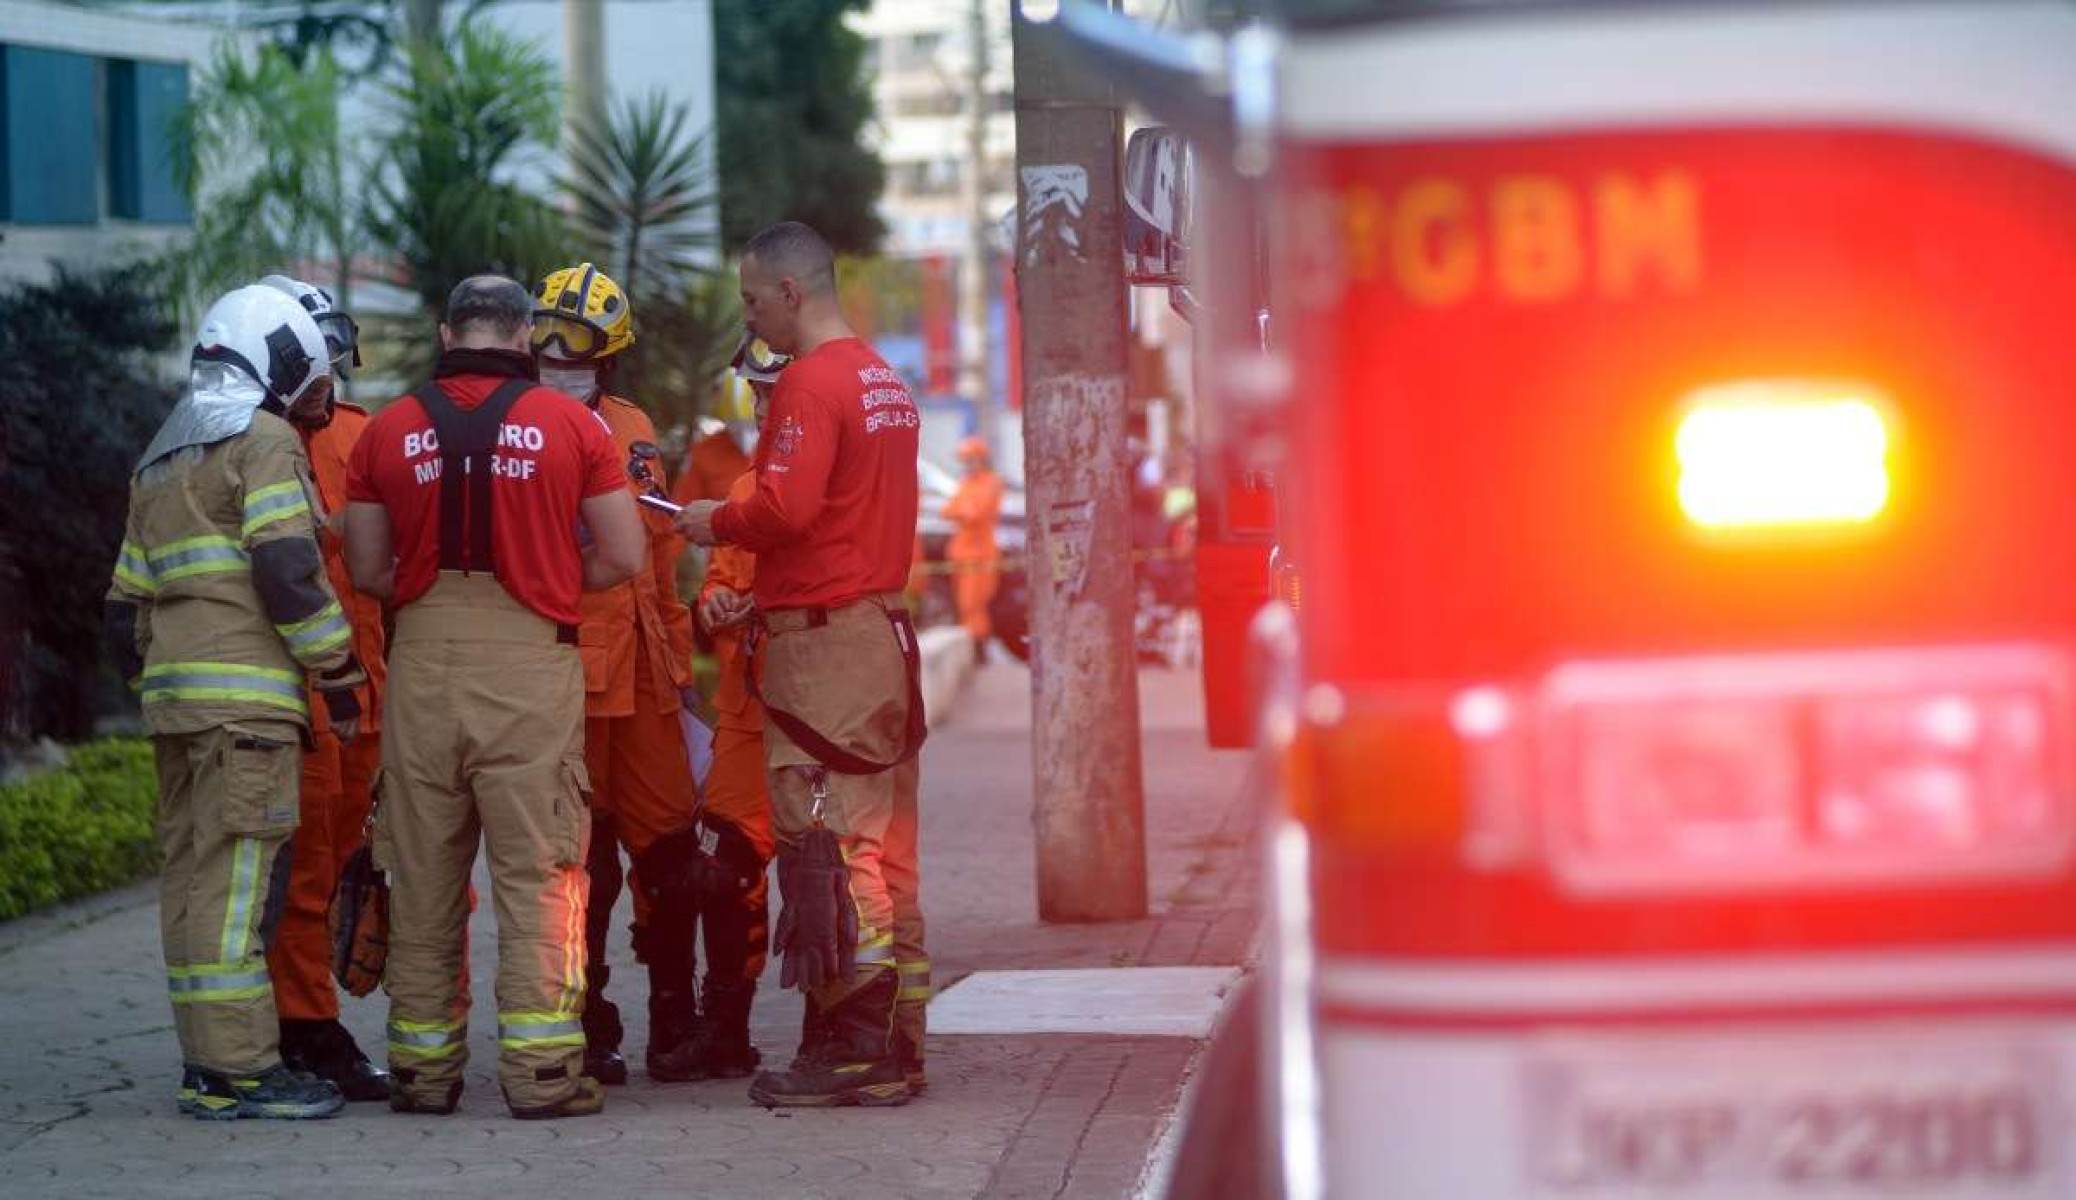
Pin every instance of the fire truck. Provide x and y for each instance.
(1670, 762)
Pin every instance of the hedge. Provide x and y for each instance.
(81, 829)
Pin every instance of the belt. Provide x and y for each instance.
(786, 620)
(566, 634)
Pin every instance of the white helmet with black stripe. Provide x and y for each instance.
(270, 337)
(341, 333)
(257, 349)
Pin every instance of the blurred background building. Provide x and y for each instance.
(86, 159)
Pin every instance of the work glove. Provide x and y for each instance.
(818, 925)
(359, 925)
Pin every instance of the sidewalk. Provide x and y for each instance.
(86, 1105)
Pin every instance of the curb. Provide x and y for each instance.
(947, 653)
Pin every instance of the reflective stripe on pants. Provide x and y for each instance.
(482, 743)
(227, 806)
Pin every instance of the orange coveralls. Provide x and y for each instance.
(735, 789)
(971, 552)
(337, 778)
(711, 465)
(636, 646)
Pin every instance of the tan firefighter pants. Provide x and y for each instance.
(483, 739)
(846, 678)
(227, 807)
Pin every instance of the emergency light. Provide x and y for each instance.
(1782, 452)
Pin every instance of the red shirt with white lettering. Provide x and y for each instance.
(553, 453)
(833, 516)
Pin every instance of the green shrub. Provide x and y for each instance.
(78, 830)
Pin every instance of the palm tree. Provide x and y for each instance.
(447, 201)
(642, 193)
(642, 189)
(259, 149)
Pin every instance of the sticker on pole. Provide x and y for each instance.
(1055, 199)
(1069, 528)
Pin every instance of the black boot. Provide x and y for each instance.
(603, 1031)
(814, 1033)
(325, 1049)
(277, 1092)
(734, 927)
(729, 1054)
(854, 1066)
(677, 1041)
(909, 1053)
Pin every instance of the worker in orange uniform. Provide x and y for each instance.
(735, 921)
(482, 505)
(636, 642)
(971, 553)
(712, 463)
(338, 777)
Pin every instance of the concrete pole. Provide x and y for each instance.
(422, 21)
(1089, 813)
(973, 269)
(583, 72)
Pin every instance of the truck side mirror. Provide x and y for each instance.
(1158, 204)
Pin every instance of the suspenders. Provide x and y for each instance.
(467, 438)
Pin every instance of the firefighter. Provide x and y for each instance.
(636, 646)
(712, 462)
(219, 612)
(338, 776)
(832, 521)
(735, 923)
(971, 553)
(481, 506)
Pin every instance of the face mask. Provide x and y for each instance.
(577, 381)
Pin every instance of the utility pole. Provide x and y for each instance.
(973, 271)
(583, 74)
(422, 22)
(1089, 813)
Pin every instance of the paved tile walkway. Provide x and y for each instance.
(86, 1090)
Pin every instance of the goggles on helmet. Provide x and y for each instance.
(341, 337)
(757, 362)
(558, 335)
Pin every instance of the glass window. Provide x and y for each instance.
(144, 101)
(50, 144)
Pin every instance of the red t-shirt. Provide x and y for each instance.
(553, 454)
(833, 516)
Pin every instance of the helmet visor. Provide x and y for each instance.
(341, 338)
(757, 362)
(558, 336)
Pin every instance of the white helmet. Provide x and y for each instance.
(267, 336)
(341, 334)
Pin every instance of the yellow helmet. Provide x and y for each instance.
(583, 316)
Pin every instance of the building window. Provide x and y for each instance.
(50, 139)
(145, 100)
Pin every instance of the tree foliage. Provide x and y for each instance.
(81, 401)
(644, 202)
(260, 148)
(466, 120)
(363, 36)
(793, 98)
(643, 196)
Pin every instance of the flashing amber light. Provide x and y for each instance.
(1776, 453)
